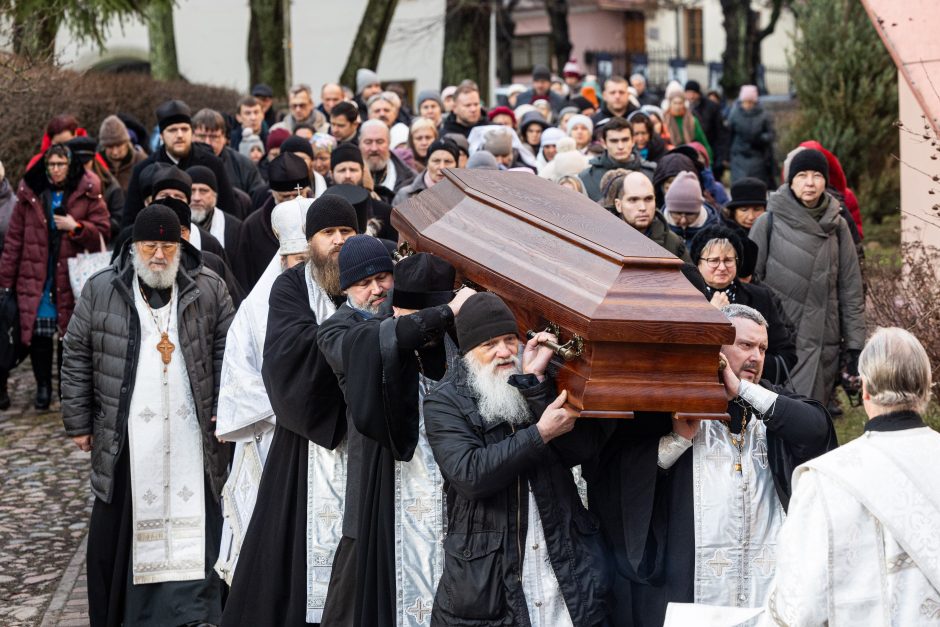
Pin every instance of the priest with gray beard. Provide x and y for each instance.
(520, 548)
(140, 381)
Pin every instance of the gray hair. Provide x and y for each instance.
(388, 96)
(373, 123)
(301, 87)
(637, 75)
(743, 311)
(896, 370)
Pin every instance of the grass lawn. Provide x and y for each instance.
(852, 422)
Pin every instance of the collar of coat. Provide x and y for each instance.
(787, 208)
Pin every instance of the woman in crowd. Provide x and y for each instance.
(645, 138)
(442, 154)
(422, 135)
(682, 126)
(751, 137)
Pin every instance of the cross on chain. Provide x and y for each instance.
(719, 563)
(418, 610)
(166, 348)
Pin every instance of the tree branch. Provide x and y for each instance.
(778, 6)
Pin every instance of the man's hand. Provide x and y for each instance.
(685, 428)
(719, 300)
(536, 356)
(460, 298)
(65, 223)
(731, 380)
(83, 442)
(556, 420)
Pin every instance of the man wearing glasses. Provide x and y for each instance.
(140, 381)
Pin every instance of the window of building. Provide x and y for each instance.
(694, 37)
(529, 51)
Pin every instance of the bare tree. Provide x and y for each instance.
(265, 45)
(505, 32)
(467, 43)
(160, 30)
(743, 39)
(370, 38)
(561, 41)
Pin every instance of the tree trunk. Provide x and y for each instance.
(743, 39)
(34, 36)
(265, 45)
(467, 43)
(561, 42)
(159, 16)
(505, 33)
(370, 38)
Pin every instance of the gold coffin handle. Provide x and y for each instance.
(572, 349)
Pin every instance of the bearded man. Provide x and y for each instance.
(286, 557)
(698, 518)
(520, 546)
(389, 560)
(140, 381)
(245, 413)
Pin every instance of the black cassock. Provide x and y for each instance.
(270, 583)
(647, 513)
(380, 369)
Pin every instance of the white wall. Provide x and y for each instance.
(918, 221)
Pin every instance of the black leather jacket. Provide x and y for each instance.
(488, 471)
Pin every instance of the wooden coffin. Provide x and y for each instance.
(650, 340)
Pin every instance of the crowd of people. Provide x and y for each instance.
(291, 423)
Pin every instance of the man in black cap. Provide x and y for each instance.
(284, 563)
(301, 147)
(542, 88)
(205, 194)
(176, 132)
(265, 95)
(144, 351)
(709, 116)
(524, 548)
(257, 243)
(386, 359)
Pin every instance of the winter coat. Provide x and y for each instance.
(712, 122)
(452, 125)
(7, 202)
(489, 469)
(414, 188)
(812, 267)
(242, 174)
(751, 141)
(25, 262)
(556, 100)
(101, 350)
(122, 170)
(602, 164)
(659, 232)
(712, 218)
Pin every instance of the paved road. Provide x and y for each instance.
(44, 508)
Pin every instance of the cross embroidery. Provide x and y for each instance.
(328, 514)
(418, 610)
(166, 348)
(150, 497)
(418, 509)
(185, 493)
(760, 453)
(719, 563)
(147, 414)
(765, 562)
(717, 456)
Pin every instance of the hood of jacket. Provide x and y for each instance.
(786, 207)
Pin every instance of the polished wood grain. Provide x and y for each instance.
(651, 340)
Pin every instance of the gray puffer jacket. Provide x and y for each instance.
(812, 267)
(99, 363)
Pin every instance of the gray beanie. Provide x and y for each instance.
(497, 142)
(113, 132)
(482, 160)
(364, 78)
(429, 94)
(249, 141)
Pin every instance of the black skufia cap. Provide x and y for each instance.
(423, 280)
(287, 171)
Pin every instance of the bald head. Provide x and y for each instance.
(637, 202)
(331, 95)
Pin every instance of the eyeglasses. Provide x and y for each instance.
(54, 165)
(150, 248)
(714, 262)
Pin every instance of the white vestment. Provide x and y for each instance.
(737, 516)
(861, 545)
(166, 457)
(217, 228)
(326, 489)
(245, 416)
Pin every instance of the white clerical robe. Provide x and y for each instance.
(217, 228)
(166, 463)
(861, 545)
(244, 416)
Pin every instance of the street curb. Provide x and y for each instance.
(64, 590)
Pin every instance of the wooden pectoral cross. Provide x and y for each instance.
(166, 348)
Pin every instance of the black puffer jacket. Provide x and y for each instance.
(100, 361)
(489, 469)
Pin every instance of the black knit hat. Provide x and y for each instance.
(173, 112)
(330, 211)
(358, 197)
(83, 147)
(287, 171)
(343, 153)
(445, 145)
(541, 73)
(483, 317)
(295, 143)
(157, 223)
(202, 174)
(693, 86)
(362, 256)
(748, 192)
(181, 209)
(172, 178)
(811, 160)
(423, 280)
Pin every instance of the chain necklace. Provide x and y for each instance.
(737, 439)
(164, 346)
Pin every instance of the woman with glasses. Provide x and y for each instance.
(717, 251)
(59, 213)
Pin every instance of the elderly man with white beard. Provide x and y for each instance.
(140, 381)
(245, 414)
(520, 548)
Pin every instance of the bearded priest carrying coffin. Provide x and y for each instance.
(692, 511)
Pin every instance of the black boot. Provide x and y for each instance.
(40, 353)
(43, 394)
(4, 395)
